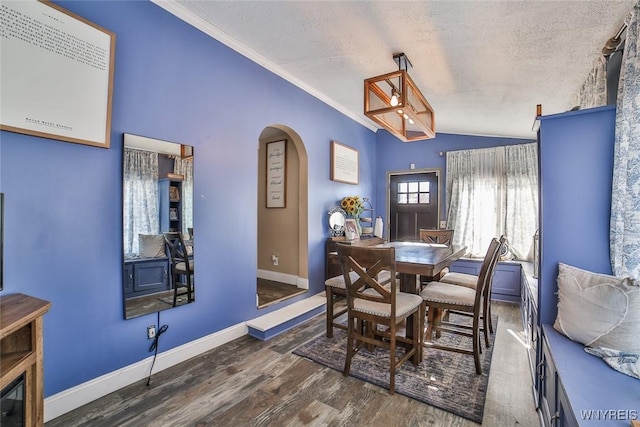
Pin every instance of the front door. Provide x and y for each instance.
(413, 204)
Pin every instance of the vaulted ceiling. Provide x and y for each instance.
(483, 65)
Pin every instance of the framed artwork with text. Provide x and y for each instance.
(276, 174)
(344, 163)
(57, 74)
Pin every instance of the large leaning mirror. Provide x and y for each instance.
(157, 225)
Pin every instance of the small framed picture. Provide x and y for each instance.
(351, 229)
(173, 214)
(174, 194)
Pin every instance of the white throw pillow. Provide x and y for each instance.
(598, 310)
(151, 245)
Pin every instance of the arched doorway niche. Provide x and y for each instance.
(283, 232)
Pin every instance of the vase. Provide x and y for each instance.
(358, 226)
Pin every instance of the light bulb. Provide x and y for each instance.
(411, 121)
(394, 99)
(406, 117)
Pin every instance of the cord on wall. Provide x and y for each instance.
(154, 346)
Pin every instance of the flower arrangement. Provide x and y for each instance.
(352, 205)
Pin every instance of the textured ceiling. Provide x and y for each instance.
(483, 65)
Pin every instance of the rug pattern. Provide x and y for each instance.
(444, 379)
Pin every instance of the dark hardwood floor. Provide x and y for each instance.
(270, 292)
(248, 382)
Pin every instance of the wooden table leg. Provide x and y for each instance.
(408, 283)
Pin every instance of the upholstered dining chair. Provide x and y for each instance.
(182, 266)
(336, 291)
(470, 281)
(375, 310)
(439, 236)
(440, 296)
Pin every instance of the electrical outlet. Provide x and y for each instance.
(443, 224)
(274, 259)
(151, 332)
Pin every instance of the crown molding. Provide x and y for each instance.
(190, 18)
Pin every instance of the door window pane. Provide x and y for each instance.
(414, 192)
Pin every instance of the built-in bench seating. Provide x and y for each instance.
(587, 390)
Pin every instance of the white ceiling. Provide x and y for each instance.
(483, 65)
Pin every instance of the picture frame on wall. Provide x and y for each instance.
(174, 194)
(276, 174)
(70, 102)
(344, 163)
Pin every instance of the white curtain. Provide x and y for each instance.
(593, 92)
(521, 198)
(185, 167)
(625, 200)
(140, 195)
(493, 192)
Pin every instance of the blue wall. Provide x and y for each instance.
(63, 238)
(394, 155)
(63, 200)
(576, 174)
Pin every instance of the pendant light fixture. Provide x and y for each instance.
(394, 102)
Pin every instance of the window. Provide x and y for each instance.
(414, 193)
(493, 192)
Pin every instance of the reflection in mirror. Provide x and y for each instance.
(157, 218)
(337, 220)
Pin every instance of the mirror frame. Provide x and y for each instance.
(337, 232)
(147, 281)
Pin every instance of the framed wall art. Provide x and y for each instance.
(276, 174)
(344, 163)
(63, 64)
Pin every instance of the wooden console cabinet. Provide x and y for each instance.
(21, 328)
(331, 263)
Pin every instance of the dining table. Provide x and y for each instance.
(424, 259)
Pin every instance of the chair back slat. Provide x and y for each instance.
(487, 269)
(368, 263)
(177, 249)
(444, 237)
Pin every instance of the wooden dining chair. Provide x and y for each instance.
(470, 281)
(438, 236)
(440, 296)
(336, 291)
(441, 236)
(182, 266)
(375, 310)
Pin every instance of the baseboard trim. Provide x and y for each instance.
(72, 398)
(290, 279)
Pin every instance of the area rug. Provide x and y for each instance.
(444, 379)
